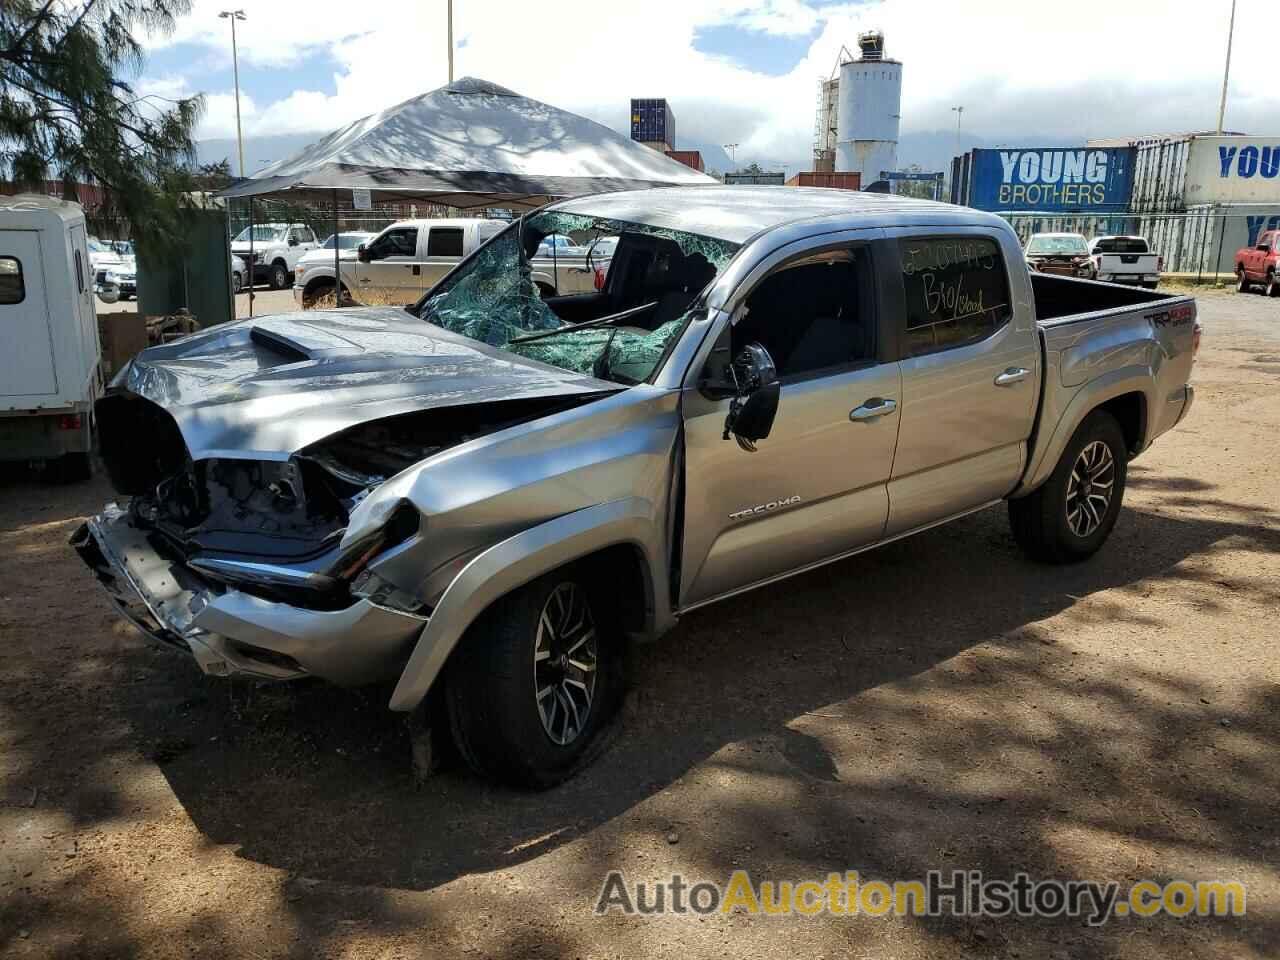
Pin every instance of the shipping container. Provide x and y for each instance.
(817, 178)
(653, 122)
(766, 179)
(690, 158)
(1204, 239)
(1176, 173)
(1048, 179)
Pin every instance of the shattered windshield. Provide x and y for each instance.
(615, 325)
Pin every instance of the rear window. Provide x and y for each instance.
(1047, 246)
(12, 288)
(1120, 245)
(444, 242)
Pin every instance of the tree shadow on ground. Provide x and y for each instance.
(793, 732)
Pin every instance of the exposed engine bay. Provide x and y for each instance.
(216, 513)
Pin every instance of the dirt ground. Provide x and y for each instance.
(265, 301)
(938, 704)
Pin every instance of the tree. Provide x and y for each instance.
(69, 111)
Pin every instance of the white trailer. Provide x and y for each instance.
(49, 350)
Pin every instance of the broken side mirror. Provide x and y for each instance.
(755, 403)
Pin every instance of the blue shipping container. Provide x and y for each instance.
(1051, 179)
(652, 121)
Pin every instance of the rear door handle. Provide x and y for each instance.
(874, 408)
(1011, 376)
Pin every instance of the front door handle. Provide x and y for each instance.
(1011, 376)
(873, 409)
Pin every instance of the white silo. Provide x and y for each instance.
(869, 111)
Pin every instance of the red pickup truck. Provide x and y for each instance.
(1260, 264)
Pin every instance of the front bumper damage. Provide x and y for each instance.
(231, 632)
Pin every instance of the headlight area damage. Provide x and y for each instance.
(242, 562)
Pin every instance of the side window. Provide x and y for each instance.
(306, 236)
(444, 242)
(814, 313)
(79, 273)
(397, 243)
(12, 289)
(957, 292)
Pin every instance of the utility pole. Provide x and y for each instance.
(450, 4)
(959, 112)
(233, 16)
(1226, 71)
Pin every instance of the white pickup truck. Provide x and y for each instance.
(1125, 260)
(273, 250)
(410, 257)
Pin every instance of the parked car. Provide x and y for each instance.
(397, 265)
(1064, 254)
(49, 372)
(484, 497)
(1260, 264)
(273, 250)
(1118, 259)
(239, 274)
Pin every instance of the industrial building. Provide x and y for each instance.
(859, 113)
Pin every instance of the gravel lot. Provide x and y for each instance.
(937, 704)
(265, 300)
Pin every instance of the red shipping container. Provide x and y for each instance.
(815, 178)
(690, 158)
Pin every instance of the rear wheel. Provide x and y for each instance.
(1242, 281)
(1071, 515)
(531, 689)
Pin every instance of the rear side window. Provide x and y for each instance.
(957, 292)
(444, 242)
(12, 289)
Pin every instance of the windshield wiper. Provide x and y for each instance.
(585, 325)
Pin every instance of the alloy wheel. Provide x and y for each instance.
(565, 658)
(1089, 489)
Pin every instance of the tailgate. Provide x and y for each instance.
(1128, 263)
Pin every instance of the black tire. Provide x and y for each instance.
(491, 688)
(1242, 282)
(237, 282)
(279, 276)
(1041, 522)
(1272, 289)
(72, 468)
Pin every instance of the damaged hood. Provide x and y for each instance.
(265, 388)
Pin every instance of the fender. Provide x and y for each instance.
(516, 561)
(1132, 379)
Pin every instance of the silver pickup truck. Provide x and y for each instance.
(483, 497)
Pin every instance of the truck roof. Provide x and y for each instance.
(34, 210)
(736, 213)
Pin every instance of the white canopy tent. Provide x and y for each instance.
(469, 144)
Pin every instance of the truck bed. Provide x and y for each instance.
(1067, 297)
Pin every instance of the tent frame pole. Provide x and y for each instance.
(253, 267)
(337, 251)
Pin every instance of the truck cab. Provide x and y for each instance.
(272, 250)
(398, 265)
(1260, 264)
(49, 350)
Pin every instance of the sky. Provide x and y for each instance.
(741, 71)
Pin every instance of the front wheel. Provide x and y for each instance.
(279, 276)
(1272, 288)
(533, 685)
(1070, 516)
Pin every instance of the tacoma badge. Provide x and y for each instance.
(765, 507)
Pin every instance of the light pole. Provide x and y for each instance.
(733, 152)
(450, 2)
(959, 112)
(1226, 71)
(233, 16)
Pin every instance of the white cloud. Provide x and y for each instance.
(1019, 68)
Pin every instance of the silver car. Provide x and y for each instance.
(484, 498)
